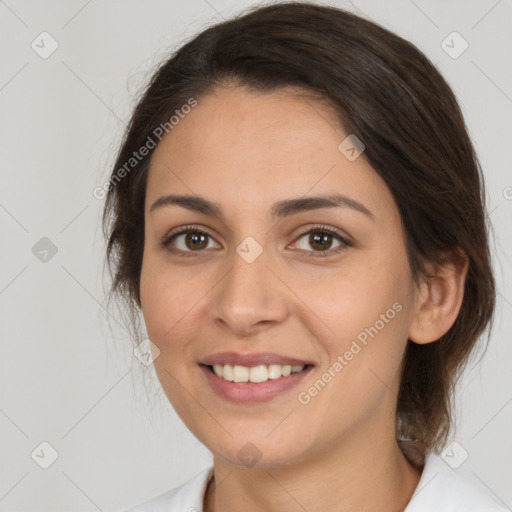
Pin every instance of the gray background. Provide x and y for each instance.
(67, 378)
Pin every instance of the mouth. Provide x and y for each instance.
(255, 374)
(253, 378)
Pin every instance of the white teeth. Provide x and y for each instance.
(274, 371)
(227, 372)
(258, 373)
(255, 374)
(240, 373)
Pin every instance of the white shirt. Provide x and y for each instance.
(440, 489)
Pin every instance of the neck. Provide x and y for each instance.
(358, 473)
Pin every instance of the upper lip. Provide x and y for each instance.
(250, 360)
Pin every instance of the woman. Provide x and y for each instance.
(299, 214)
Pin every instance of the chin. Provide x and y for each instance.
(256, 452)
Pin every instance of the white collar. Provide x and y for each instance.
(440, 489)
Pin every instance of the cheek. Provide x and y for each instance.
(356, 298)
(168, 312)
(164, 301)
(365, 313)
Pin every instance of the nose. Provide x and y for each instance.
(249, 298)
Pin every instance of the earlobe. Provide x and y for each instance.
(439, 299)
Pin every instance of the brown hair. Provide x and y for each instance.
(391, 97)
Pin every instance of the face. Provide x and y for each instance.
(266, 248)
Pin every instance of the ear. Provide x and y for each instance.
(439, 298)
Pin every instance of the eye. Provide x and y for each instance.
(316, 242)
(189, 239)
(323, 240)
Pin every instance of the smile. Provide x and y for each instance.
(253, 384)
(255, 374)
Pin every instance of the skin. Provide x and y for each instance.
(245, 152)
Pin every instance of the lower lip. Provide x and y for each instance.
(244, 392)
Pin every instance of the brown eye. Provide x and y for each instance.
(320, 241)
(195, 241)
(189, 240)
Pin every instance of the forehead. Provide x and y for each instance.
(240, 125)
(237, 145)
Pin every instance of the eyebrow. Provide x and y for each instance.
(279, 210)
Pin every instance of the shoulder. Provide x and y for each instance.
(441, 488)
(185, 498)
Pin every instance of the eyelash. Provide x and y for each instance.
(166, 242)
